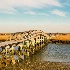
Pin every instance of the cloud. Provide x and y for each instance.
(58, 12)
(30, 12)
(12, 4)
(43, 14)
(35, 13)
(8, 11)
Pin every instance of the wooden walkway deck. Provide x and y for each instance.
(9, 42)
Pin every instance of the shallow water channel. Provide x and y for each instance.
(54, 53)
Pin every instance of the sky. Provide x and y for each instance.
(23, 15)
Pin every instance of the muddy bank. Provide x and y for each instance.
(37, 65)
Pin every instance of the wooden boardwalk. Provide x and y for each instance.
(9, 42)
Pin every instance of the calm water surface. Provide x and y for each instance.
(54, 53)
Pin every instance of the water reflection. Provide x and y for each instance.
(57, 53)
(16, 57)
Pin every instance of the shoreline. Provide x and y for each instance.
(38, 65)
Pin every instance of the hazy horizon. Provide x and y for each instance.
(50, 16)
